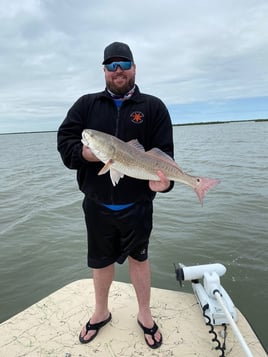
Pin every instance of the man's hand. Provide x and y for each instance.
(162, 185)
(88, 154)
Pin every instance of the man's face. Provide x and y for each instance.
(120, 81)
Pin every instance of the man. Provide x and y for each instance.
(118, 219)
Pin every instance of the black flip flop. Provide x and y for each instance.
(151, 332)
(94, 327)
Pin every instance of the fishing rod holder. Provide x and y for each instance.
(205, 293)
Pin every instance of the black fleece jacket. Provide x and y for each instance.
(143, 117)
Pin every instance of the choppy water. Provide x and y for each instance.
(43, 244)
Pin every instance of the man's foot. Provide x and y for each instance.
(152, 333)
(93, 327)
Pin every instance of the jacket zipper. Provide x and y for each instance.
(117, 121)
(116, 135)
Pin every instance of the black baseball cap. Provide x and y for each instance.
(117, 49)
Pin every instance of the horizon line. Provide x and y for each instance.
(176, 124)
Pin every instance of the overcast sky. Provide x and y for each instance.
(206, 59)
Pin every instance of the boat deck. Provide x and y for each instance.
(51, 326)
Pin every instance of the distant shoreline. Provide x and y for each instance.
(221, 122)
(178, 124)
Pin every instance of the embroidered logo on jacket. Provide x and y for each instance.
(137, 117)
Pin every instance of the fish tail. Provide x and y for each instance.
(203, 184)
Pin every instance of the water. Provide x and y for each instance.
(43, 244)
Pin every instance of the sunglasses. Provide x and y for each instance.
(112, 67)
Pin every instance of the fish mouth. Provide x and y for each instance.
(84, 139)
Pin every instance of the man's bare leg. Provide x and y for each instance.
(140, 275)
(102, 279)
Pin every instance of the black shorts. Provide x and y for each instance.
(114, 235)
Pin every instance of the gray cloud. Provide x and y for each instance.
(186, 52)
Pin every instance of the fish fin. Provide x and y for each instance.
(115, 176)
(159, 154)
(203, 184)
(106, 167)
(136, 144)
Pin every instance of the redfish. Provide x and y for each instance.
(130, 159)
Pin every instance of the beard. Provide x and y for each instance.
(120, 90)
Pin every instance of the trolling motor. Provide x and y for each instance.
(214, 301)
(205, 294)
